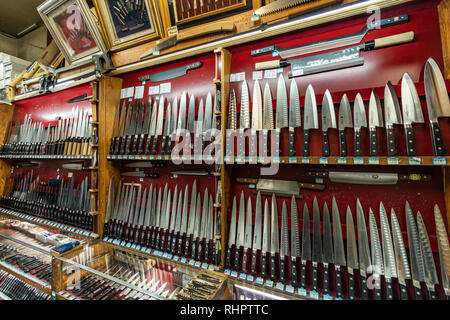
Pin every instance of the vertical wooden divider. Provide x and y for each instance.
(109, 94)
(6, 114)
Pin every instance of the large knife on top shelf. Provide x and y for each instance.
(375, 120)
(344, 121)
(368, 177)
(344, 58)
(214, 27)
(392, 116)
(328, 121)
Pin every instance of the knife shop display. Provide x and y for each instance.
(70, 136)
(16, 289)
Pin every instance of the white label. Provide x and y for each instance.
(323, 160)
(153, 90)
(130, 92)
(237, 77)
(298, 72)
(165, 87)
(139, 92)
(172, 31)
(257, 75)
(123, 92)
(392, 161)
(270, 74)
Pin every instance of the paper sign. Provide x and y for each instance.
(257, 75)
(165, 87)
(153, 90)
(139, 92)
(237, 77)
(270, 74)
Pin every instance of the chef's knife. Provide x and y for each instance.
(310, 118)
(375, 120)
(328, 121)
(345, 121)
(392, 116)
(360, 121)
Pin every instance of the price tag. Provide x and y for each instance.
(133, 246)
(139, 92)
(239, 159)
(306, 160)
(227, 159)
(414, 161)
(276, 159)
(358, 160)
(123, 92)
(204, 265)
(275, 54)
(171, 31)
(211, 267)
(292, 160)
(261, 159)
(153, 90)
(268, 283)
(341, 160)
(290, 289)
(280, 286)
(250, 278)
(191, 262)
(314, 295)
(374, 160)
(323, 160)
(297, 72)
(227, 272)
(176, 258)
(302, 292)
(165, 87)
(234, 274)
(237, 77)
(243, 276)
(130, 92)
(169, 256)
(198, 264)
(440, 161)
(327, 297)
(257, 75)
(270, 74)
(392, 161)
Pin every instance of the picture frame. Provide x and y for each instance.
(73, 28)
(127, 23)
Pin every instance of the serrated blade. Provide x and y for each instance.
(310, 120)
(328, 114)
(377, 255)
(415, 250)
(278, 6)
(268, 109)
(245, 107)
(401, 257)
(345, 114)
(430, 269)
(274, 238)
(232, 232)
(443, 246)
(295, 233)
(258, 223)
(363, 241)
(294, 105)
(438, 104)
(282, 107)
(284, 249)
(248, 225)
(266, 231)
(257, 111)
(359, 113)
(317, 234)
(391, 107)
(352, 255)
(232, 121)
(328, 256)
(306, 236)
(241, 222)
(411, 106)
(375, 115)
(338, 241)
(390, 267)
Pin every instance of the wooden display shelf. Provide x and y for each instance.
(25, 277)
(45, 157)
(158, 157)
(64, 295)
(48, 224)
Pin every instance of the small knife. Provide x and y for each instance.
(328, 121)
(375, 120)
(392, 116)
(345, 121)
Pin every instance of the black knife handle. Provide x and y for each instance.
(169, 242)
(123, 141)
(134, 148)
(326, 279)
(364, 291)
(207, 244)
(358, 147)
(194, 248)
(140, 144)
(186, 247)
(390, 139)
(338, 283)
(351, 286)
(263, 265)
(294, 274)
(273, 268)
(111, 146)
(389, 292)
(245, 261)
(155, 144)
(163, 240)
(158, 238)
(291, 141)
(253, 264)
(303, 275)
(403, 292)
(432, 294)
(436, 138)
(237, 265)
(174, 243)
(417, 293)
(138, 235)
(314, 285)
(105, 229)
(282, 269)
(128, 145)
(373, 150)
(116, 145)
(180, 243)
(306, 143)
(163, 144)
(376, 291)
(154, 233)
(148, 237)
(342, 144)
(228, 258)
(410, 143)
(325, 144)
(147, 144)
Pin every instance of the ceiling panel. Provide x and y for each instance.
(17, 15)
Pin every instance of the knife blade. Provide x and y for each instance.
(345, 121)
(244, 118)
(392, 116)
(438, 104)
(360, 121)
(207, 123)
(306, 246)
(274, 240)
(328, 255)
(338, 246)
(257, 233)
(231, 234)
(310, 120)
(191, 223)
(240, 232)
(159, 123)
(152, 129)
(390, 267)
(375, 120)
(281, 111)
(444, 250)
(316, 245)
(184, 219)
(295, 242)
(167, 129)
(352, 255)
(294, 115)
(198, 140)
(170, 74)
(363, 249)
(377, 254)
(284, 248)
(265, 240)
(328, 121)
(248, 235)
(267, 119)
(257, 114)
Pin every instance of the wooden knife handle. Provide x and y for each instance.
(390, 140)
(395, 39)
(351, 285)
(246, 180)
(358, 147)
(291, 141)
(373, 150)
(294, 274)
(223, 26)
(253, 264)
(311, 186)
(437, 139)
(325, 144)
(342, 144)
(272, 64)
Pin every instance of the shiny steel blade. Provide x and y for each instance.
(184, 217)
(345, 115)
(173, 211)
(411, 106)
(443, 246)
(266, 230)
(192, 208)
(363, 241)
(142, 208)
(375, 115)
(200, 116)
(295, 233)
(241, 222)
(147, 115)
(284, 249)
(328, 256)
(430, 269)
(310, 120)
(317, 234)
(282, 107)
(359, 113)
(232, 232)
(257, 111)
(438, 103)
(268, 109)
(191, 114)
(198, 218)
(153, 120)
(181, 124)
(328, 114)
(248, 225)
(245, 107)
(140, 119)
(352, 255)
(338, 241)
(166, 218)
(294, 105)
(274, 237)
(205, 216)
(160, 119)
(403, 271)
(306, 236)
(178, 217)
(390, 267)
(168, 129)
(391, 107)
(174, 124)
(258, 223)
(377, 254)
(109, 205)
(208, 113)
(148, 209)
(232, 117)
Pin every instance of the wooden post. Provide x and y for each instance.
(6, 114)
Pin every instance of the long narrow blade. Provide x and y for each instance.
(377, 255)
(241, 222)
(317, 234)
(328, 256)
(284, 249)
(415, 250)
(182, 114)
(403, 270)
(310, 120)
(192, 208)
(390, 267)
(443, 246)
(295, 233)
(430, 269)
(191, 114)
(160, 119)
(338, 241)
(282, 107)
(109, 205)
(208, 113)
(352, 255)
(306, 236)
(274, 238)
(258, 223)
(294, 105)
(248, 225)
(363, 241)
(266, 232)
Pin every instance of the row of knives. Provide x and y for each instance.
(56, 199)
(71, 136)
(204, 6)
(137, 128)
(16, 289)
(322, 249)
(164, 219)
(262, 119)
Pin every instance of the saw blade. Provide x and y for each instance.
(279, 6)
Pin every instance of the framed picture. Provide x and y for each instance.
(73, 28)
(128, 23)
